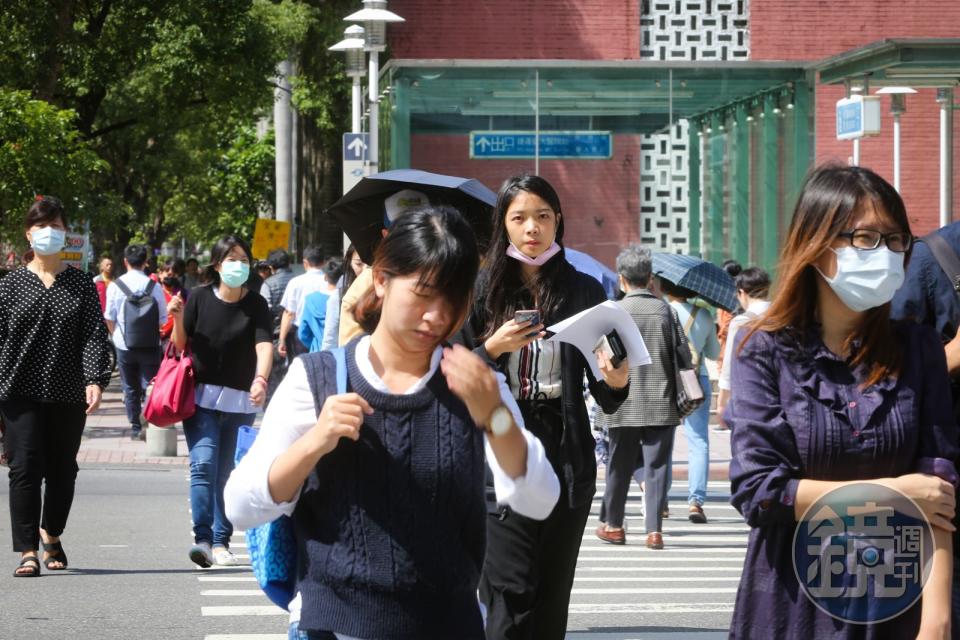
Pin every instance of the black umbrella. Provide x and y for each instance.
(360, 212)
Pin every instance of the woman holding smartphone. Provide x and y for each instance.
(529, 567)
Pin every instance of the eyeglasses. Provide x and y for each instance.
(898, 241)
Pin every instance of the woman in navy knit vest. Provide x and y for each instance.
(386, 482)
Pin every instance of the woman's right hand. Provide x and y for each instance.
(512, 336)
(175, 306)
(935, 497)
(340, 417)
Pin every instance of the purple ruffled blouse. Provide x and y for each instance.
(798, 411)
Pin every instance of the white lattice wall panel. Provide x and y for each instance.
(681, 30)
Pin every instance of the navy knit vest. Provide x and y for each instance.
(392, 527)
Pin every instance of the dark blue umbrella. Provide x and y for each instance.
(360, 211)
(585, 263)
(706, 279)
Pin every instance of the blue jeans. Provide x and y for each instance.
(212, 438)
(698, 446)
(137, 368)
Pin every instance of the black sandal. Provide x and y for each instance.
(32, 563)
(57, 554)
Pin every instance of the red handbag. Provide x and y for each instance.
(172, 399)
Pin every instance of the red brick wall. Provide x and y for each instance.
(498, 29)
(791, 30)
(599, 197)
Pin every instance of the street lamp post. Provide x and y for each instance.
(375, 16)
(898, 106)
(353, 45)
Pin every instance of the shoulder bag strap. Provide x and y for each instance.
(693, 348)
(124, 288)
(946, 257)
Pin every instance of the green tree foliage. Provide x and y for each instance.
(161, 89)
(41, 152)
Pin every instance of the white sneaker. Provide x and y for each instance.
(201, 555)
(224, 557)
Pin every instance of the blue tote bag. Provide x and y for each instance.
(273, 546)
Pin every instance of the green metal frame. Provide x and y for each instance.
(400, 124)
(770, 167)
(740, 209)
(717, 182)
(915, 62)
(693, 183)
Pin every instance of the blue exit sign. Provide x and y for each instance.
(553, 144)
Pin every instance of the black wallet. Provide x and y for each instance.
(612, 345)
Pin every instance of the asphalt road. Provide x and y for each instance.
(130, 576)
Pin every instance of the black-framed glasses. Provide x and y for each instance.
(898, 241)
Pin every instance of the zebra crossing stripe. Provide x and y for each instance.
(232, 592)
(259, 610)
(660, 579)
(658, 607)
(226, 579)
(246, 636)
(648, 590)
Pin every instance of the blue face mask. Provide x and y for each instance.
(866, 278)
(234, 273)
(47, 241)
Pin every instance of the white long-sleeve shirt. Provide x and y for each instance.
(754, 309)
(291, 414)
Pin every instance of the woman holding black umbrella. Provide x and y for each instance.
(529, 566)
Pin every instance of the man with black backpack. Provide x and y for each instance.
(135, 311)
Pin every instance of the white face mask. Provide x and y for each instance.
(866, 278)
(47, 241)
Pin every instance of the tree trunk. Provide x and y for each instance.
(320, 187)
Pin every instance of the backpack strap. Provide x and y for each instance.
(340, 355)
(149, 290)
(946, 257)
(124, 288)
(693, 348)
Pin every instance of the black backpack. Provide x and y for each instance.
(141, 317)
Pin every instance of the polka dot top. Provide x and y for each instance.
(53, 342)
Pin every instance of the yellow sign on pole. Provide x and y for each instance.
(269, 235)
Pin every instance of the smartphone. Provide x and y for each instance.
(612, 346)
(525, 315)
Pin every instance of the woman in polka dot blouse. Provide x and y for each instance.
(54, 365)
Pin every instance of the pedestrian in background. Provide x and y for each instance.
(733, 268)
(352, 267)
(171, 284)
(312, 325)
(753, 289)
(191, 274)
(386, 483)
(702, 341)
(644, 426)
(529, 568)
(54, 366)
(827, 390)
(229, 331)
(103, 280)
(136, 312)
(295, 296)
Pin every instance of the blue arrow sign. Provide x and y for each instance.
(355, 146)
(553, 144)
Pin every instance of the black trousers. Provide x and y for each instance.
(627, 445)
(530, 564)
(42, 441)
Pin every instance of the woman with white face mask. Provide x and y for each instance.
(54, 365)
(230, 333)
(828, 392)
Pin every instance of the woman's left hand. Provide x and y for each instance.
(94, 393)
(616, 378)
(258, 392)
(471, 380)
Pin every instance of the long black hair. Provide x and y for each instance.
(220, 252)
(502, 285)
(435, 242)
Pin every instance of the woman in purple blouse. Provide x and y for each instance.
(828, 390)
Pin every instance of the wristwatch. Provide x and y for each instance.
(499, 421)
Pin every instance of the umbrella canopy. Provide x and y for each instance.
(360, 212)
(706, 279)
(585, 263)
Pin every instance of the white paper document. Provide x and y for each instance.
(584, 329)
